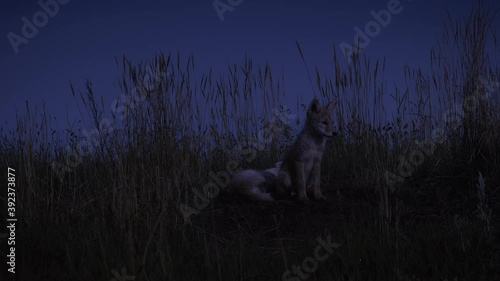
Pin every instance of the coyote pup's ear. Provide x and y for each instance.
(314, 107)
(331, 106)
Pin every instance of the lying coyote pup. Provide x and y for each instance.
(300, 167)
(302, 164)
(256, 185)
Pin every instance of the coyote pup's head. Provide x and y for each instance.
(319, 118)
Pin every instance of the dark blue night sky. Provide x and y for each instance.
(83, 38)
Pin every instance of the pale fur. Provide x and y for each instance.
(256, 185)
(301, 166)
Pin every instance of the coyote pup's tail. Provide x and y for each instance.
(256, 185)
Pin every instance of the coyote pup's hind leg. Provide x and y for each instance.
(283, 184)
(300, 180)
(317, 181)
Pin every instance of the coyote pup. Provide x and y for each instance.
(301, 166)
(256, 185)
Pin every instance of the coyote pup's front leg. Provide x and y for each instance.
(300, 180)
(317, 181)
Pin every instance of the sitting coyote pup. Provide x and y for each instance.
(301, 166)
